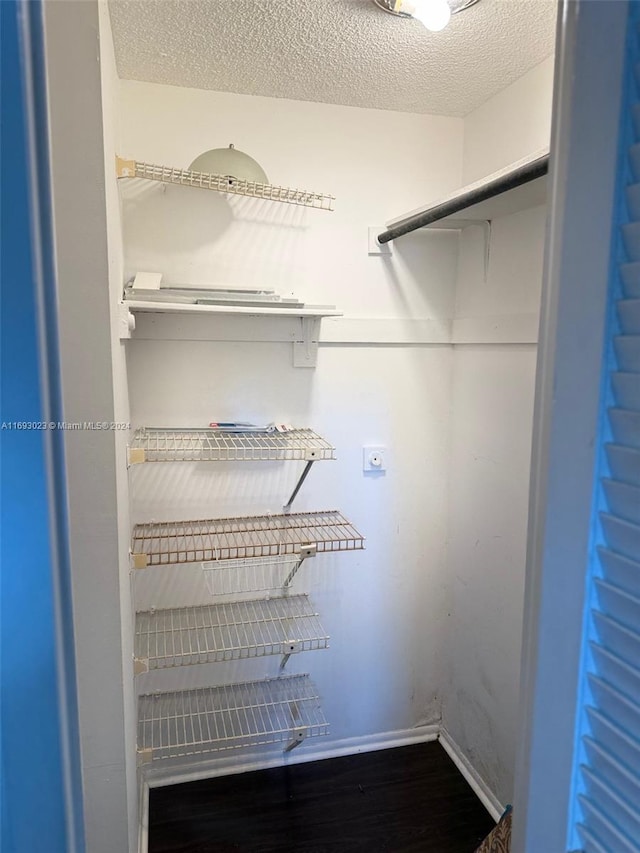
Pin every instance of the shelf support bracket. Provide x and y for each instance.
(135, 456)
(298, 735)
(306, 551)
(289, 649)
(305, 344)
(140, 665)
(126, 322)
(302, 478)
(145, 756)
(486, 226)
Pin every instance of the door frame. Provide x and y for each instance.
(584, 157)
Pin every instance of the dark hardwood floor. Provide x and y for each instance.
(398, 800)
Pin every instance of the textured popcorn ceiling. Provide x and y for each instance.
(332, 51)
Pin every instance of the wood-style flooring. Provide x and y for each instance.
(406, 800)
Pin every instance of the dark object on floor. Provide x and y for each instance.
(406, 800)
(499, 839)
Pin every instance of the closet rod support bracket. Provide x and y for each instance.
(486, 226)
(375, 247)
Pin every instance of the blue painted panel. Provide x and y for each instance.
(34, 813)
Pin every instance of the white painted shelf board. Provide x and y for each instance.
(215, 633)
(139, 306)
(210, 719)
(162, 444)
(527, 195)
(175, 542)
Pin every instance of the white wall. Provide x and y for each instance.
(375, 162)
(385, 608)
(513, 124)
(492, 409)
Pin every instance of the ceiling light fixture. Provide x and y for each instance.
(434, 14)
(231, 163)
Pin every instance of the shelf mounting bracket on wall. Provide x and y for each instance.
(126, 322)
(298, 735)
(460, 225)
(306, 552)
(289, 649)
(305, 346)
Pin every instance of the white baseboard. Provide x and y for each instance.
(480, 787)
(317, 749)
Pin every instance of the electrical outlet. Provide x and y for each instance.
(374, 459)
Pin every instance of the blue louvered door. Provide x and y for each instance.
(607, 776)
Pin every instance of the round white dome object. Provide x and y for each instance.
(231, 163)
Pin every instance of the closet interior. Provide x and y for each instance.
(322, 496)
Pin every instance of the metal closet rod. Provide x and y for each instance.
(518, 176)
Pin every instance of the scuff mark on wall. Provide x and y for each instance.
(431, 713)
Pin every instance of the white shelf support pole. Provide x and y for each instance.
(305, 346)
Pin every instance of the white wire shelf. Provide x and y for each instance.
(240, 578)
(222, 184)
(159, 444)
(193, 722)
(216, 633)
(174, 542)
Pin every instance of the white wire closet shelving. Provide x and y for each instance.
(160, 444)
(192, 722)
(222, 184)
(174, 542)
(224, 632)
(241, 578)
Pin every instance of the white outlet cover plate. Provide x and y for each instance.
(374, 458)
